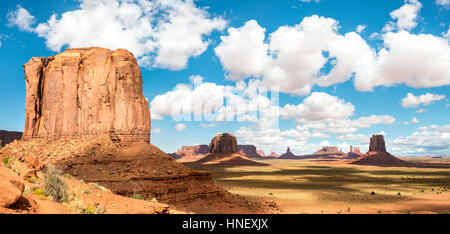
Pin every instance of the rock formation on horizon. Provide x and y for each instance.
(378, 155)
(223, 144)
(223, 150)
(196, 152)
(377, 144)
(288, 155)
(84, 93)
(7, 137)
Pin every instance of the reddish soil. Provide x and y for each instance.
(138, 169)
(228, 160)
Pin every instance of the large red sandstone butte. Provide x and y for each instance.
(378, 156)
(223, 151)
(84, 93)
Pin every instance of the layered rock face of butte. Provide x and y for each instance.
(223, 150)
(377, 144)
(84, 93)
(223, 144)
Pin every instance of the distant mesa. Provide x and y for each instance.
(378, 156)
(7, 137)
(196, 152)
(329, 150)
(223, 151)
(250, 151)
(288, 155)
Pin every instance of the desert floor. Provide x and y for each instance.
(333, 186)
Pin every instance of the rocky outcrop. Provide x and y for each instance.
(11, 187)
(378, 156)
(328, 150)
(196, 152)
(190, 153)
(249, 151)
(223, 151)
(377, 144)
(223, 144)
(84, 93)
(7, 137)
(288, 155)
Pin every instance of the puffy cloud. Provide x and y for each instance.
(161, 33)
(406, 16)
(243, 52)
(180, 127)
(414, 120)
(156, 130)
(419, 61)
(295, 58)
(411, 101)
(21, 18)
(212, 102)
(360, 28)
(444, 3)
(318, 107)
(428, 139)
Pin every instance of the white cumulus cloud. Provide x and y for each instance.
(21, 18)
(180, 127)
(161, 33)
(405, 17)
(411, 101)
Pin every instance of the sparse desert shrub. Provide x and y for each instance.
(87, 191)
(32, 179)
(39, 191)
(136, 196)
(7, 161)
(93, 210)
(96, 186)
(55, 188)
(399, 194)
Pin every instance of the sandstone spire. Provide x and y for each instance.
(84, 93)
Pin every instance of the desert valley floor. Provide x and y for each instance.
(331, 186)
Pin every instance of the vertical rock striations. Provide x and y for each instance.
(377, 144)
(85, 93)
(223, 144)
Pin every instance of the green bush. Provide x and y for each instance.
(55, 188)
(32, 179)
(39, 191)
(136, 196)
(7, 161)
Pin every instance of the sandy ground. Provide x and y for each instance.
(333, 186)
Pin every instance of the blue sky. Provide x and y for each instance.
(360, 60)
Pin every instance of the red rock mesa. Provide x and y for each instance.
(85, 93)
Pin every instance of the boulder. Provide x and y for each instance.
(11, 187)
(84, 93)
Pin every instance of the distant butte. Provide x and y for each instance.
(378, 155)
